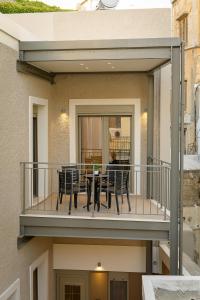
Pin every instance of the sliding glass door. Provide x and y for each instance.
(105, 138)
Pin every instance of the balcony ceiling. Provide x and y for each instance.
(57, 57)
(87, 66)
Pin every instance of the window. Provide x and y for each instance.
(185, 95)
(72, 292)
(183, 27)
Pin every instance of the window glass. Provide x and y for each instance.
(72, 292)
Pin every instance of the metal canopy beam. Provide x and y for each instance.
(95, 54)
(93, 228)
(101, 44)
(26, 68)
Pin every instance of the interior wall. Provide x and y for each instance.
(91, 86)
(112, 258)
(98, 285)
(135, 286)
(165, 122)
(14, 119)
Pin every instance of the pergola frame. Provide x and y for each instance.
(170, 50)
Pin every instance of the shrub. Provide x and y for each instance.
(26, 6)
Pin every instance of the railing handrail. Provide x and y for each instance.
(159, 160)
(95, 164)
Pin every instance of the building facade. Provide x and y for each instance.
(186, 25)
(54, 82)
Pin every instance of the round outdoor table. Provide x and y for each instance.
(96, 192)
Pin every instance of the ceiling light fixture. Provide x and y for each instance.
(81, 64)
(86, 68)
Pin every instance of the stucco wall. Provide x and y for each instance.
(106, 24)
(15, 91)
(91, 86)
(112, 258)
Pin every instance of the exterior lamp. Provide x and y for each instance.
(99, 267)
(63, 110)
(145, 113)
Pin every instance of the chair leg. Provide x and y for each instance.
(109, 200)
(61, 196)
(70, 204)
(117, 203)
(128, 199)
(98, 199)
(122, 198)
(88, 198)
(75, 200)
(57, 202)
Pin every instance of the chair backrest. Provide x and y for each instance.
(74, 170)
(67, 177)
(118, 176)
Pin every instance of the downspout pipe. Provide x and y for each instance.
(197, 117)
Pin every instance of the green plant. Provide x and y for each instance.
(26, 6)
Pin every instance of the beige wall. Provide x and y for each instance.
(98, 285)
(91, 86)
(164, 113)
(15, 91)
(85, 257)
(134, 23)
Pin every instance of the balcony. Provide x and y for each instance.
(95, 200)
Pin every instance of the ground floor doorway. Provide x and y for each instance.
(95, 285)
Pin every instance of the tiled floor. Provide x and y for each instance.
(140, 208)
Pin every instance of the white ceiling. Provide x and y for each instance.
(139, 65)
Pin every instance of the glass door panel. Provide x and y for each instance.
(104, 139)
(72, 292)
(119, 132)
(118, 290)
(90, 140)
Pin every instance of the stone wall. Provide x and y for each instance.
(191, 208)
(191, 188)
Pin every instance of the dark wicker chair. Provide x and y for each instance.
(70, 183)
(117, 184)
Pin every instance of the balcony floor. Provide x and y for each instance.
(141, 208)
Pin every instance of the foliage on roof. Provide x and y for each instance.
(26, 6)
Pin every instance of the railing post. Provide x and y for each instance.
(93, 190)
(23, 187)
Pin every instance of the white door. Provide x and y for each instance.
(72, 285)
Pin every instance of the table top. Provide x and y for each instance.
(96, 175)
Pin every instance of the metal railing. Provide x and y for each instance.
(96, 190)
(164, 176)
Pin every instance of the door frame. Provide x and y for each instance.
(74, 103)
(74, 277)
(42, 264)
(118, 276)
(42, 128)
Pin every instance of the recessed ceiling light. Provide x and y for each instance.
(109, 63)
(81, 64)
(113, 67)
(86, 68)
